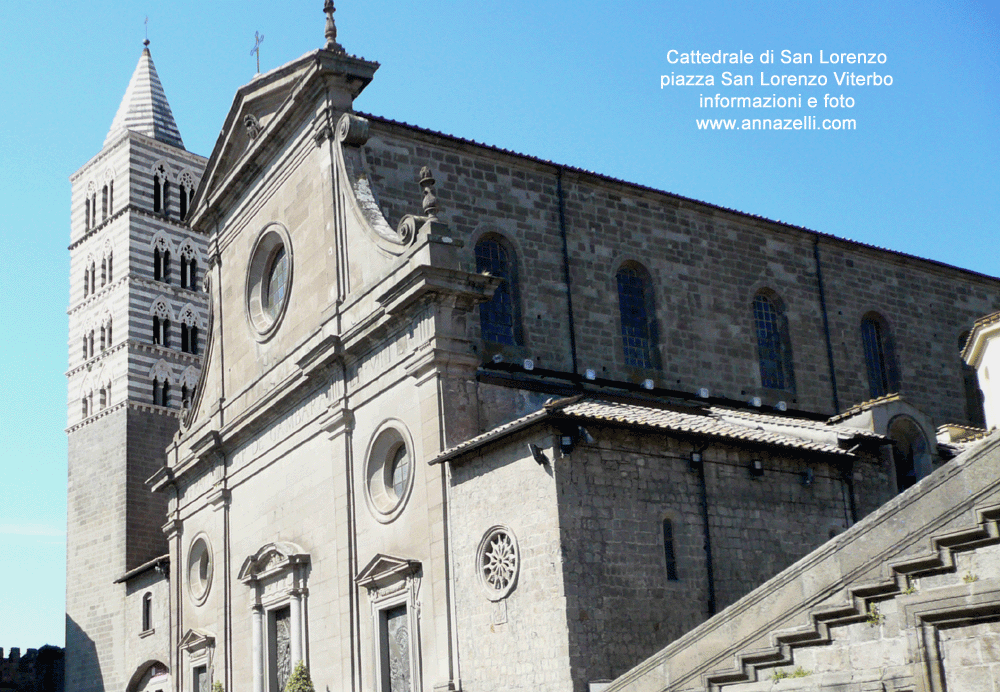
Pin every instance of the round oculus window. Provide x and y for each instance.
(498, 562)
(199, 570)
(388, 474)
(269, 280)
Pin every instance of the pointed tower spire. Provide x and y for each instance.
(144, 109)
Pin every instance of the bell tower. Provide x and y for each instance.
(137, 328)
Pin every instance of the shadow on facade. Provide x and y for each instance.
(83, 668)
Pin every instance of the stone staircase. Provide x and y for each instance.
(916, 535)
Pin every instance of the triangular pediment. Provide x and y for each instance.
(383, 569)
(196, 639)
(268, 109)
(272, 558)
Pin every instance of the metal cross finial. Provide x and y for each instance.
(331, 28)
(258, 38)
(146, 42)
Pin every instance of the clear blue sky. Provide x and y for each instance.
(574, 81)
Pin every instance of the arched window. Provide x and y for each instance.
(86, 213)
(83, 406)
(161, 264)
(189, 268)
(147, 612)
(90, 343)
(161, 391)
(110, 272)
(104, 398)
(161, 331)
(93, 209)
(880, 356)
(104, 203)
(910, 452)
(189, 338)
(635, 305)
(774, 352)
(104, 272)
(109, 332)
(499, 318)
(111, 196)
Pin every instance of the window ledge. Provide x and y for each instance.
(146, 633)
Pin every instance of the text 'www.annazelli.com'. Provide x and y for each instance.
(809, 122)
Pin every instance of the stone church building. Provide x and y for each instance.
(430, 415)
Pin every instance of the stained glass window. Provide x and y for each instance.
(276, 283)
(498, 314)
(879, 357)
(769, 346)
(638, 340)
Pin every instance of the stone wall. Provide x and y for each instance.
(706, 264)
(520, 640)
(614, 496)
(906, 599)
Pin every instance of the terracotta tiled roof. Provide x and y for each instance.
(864, 406)
(712, 422)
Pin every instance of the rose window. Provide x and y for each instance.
(498, 562)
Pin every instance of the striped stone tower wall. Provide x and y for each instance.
(118, 426)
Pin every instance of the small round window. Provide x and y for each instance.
(388, 473)
(199, 570)
(498, 562)
(269, 280)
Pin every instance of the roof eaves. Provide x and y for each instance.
(646, 188)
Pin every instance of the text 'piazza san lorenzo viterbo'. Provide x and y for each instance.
(846, 69)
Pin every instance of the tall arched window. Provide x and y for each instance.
(499, 316)
(104, 202)
(147, 612)
(635, 305)
(880, 356)
(774, 352)
(161, 391)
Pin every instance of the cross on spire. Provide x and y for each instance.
(146, 23)
(258, 39)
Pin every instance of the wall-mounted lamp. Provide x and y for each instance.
(590, 374)
(538, 454)
(566, 443)
(755, 402)
(694, 461)
(703, 393)
(808, 477)
(497, 358)
(647, 384)
(529, 364)
(756, 468)
(781, 406)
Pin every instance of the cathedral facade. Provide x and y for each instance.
(438, 416)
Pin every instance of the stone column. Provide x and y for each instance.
(296, 626)
(258, 648)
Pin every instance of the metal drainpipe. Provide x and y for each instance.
(565, 254)
(709, 570)
(826, 326)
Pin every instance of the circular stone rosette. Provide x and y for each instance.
(498, 562)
